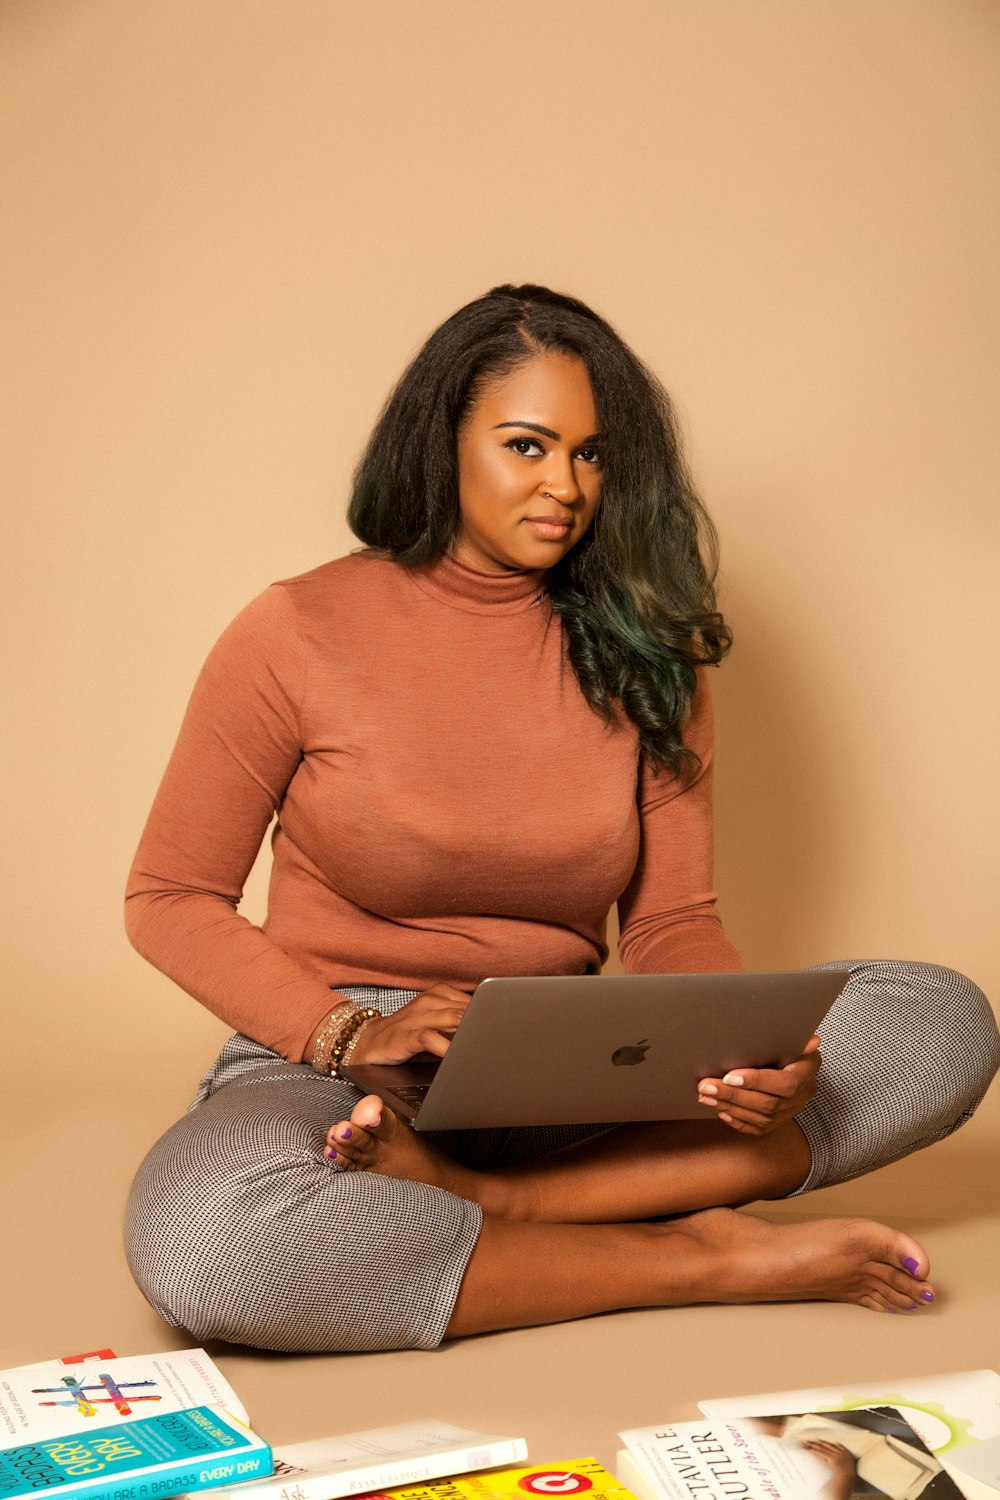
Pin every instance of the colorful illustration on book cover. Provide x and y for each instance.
(121, 1396)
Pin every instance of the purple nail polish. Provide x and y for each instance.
(927, 1296)
(346, 1133)
(909, 1264)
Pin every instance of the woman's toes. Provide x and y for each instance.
(914, 1261)
(368, 1112)
(343, 1142)
(895, 1290)
(897, 1300)
(353, 1144)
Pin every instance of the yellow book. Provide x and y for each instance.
(583, 1477)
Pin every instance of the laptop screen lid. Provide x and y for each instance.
(597, 1049)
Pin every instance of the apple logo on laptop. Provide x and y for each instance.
(627, 1057)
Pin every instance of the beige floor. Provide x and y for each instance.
(70, 1150)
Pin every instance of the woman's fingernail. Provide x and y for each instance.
(707, 1088)
(927, 1296)
(736, 1079)
(909, 1264)
(724, 1116)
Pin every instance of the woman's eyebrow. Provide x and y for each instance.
(595, 437)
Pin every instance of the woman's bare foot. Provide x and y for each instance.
(715, 1255)
(374, 1140)
(734, 1257)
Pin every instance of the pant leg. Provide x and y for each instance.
(909, 1050)
(238, 1228)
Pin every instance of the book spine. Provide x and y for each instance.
(183, 1476)
(435, 1466)
(634, 1478)
(318, 1486)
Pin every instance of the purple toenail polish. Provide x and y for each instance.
(927, 1296)
(909, 1264)
(346, 1133)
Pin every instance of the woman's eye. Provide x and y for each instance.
(591, 456)
(523, 446)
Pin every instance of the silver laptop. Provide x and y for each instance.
(602, 1048)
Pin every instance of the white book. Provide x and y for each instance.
(952, 1413)
(357, 1463)
(948, 1411)
(796, 1456)
(59, 1397)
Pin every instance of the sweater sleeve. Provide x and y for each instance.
(667, 913)
(238, 748)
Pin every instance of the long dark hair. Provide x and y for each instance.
(636, 594)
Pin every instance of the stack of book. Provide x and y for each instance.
(937, 1438)
(100, 1428)
(96, 1427)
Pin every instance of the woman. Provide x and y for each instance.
(478, 734)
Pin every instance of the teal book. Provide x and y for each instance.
(149, 1459)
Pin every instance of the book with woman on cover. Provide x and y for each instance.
(842, 1455)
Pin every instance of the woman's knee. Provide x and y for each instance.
(237, 1228)
(202, 1219)
(952, 1020)
(924, 1021)
(909, 1050)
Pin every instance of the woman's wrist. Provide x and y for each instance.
(351, 1049)
(347, 1036)
(320, 1044)
(337, 1036)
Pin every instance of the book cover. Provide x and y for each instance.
(357, 1463)
(59, 1396)
(578, 1476)
(149, 1459)
(797, 1456)
(948, 1411)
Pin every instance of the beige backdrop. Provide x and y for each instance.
(227, 225)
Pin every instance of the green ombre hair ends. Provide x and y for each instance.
(637, 594)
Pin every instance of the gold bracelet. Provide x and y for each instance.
(320, 1059)
(346, 1035)
(355, 1039)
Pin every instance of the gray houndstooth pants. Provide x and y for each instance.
(238, 1228)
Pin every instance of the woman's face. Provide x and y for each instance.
(529, 466)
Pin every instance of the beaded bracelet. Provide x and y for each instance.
(320, 1059)
(347, 1037)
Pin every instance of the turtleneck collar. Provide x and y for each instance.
(477, 592)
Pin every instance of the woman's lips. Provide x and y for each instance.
(548, 527)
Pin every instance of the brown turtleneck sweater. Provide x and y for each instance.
(449, 806)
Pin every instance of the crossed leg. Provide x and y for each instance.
(560, 1237)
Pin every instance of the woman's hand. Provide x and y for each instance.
(426, 1023)
(843, 1468)
(756, 1101)
(836, 1457)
